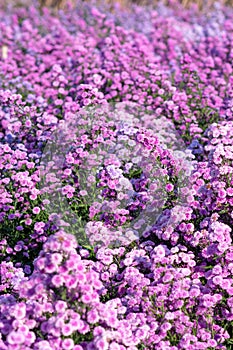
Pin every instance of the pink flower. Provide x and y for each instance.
(67, 329)
(57, 281)
(102, 344)
(14, 338)
(36, 210)
(217, 280)
(229, 191)
(86, 298)
(68, 344)
(169, 187)
(83, 193)
(160, 251)
(60, 306)
(19, 311)
(28, 221)
(50, 267)
(92, 316)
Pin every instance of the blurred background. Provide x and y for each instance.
(59, 4)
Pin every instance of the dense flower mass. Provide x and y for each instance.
(116, 178)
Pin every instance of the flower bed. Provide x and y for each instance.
(116, 188)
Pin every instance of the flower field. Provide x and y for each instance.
(116, 178)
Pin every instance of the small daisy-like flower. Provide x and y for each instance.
(57, 281)
(68, 344)
(36, 210)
